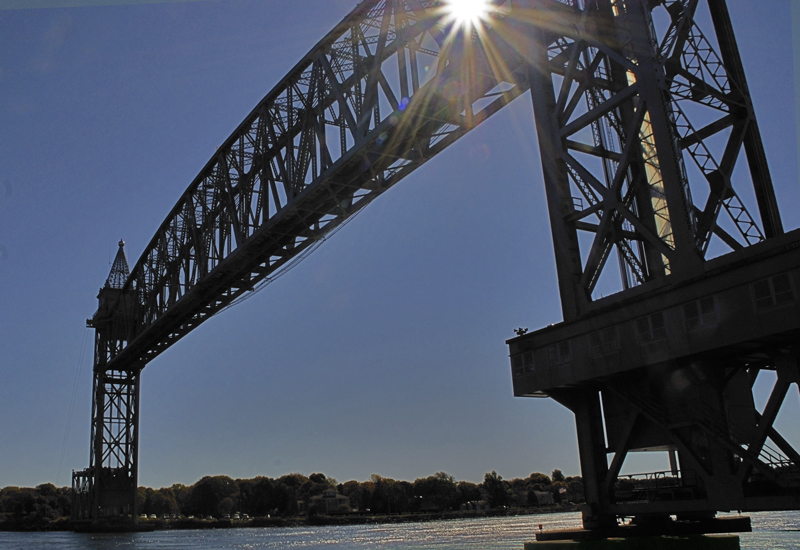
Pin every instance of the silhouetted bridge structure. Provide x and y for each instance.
(655, 177)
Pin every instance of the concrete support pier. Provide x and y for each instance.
(696, 542)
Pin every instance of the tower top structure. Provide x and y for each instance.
(119, 270)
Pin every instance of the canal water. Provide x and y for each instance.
(773, 531)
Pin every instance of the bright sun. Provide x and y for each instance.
(467, 13)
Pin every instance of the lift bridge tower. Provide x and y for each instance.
(678, 284)
(649, 146)
(109, 486)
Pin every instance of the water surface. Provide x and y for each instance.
(773, 531)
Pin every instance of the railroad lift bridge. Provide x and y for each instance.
(655, 177)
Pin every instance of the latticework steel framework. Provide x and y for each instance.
(640, 133)
(388, 89)
(641, 115)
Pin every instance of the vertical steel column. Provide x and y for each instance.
(654, 96)
(135, 444)
(96, 451)
(574, 302)
(98, 425)
(754, 147)
(115, 453)
(585, 405)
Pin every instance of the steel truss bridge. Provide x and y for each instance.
(649, 146)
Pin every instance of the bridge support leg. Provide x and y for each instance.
(585, 405)
(115, 439)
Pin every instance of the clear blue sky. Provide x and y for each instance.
(383, 352)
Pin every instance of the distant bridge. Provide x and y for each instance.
(639, 113)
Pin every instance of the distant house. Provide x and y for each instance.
(477, 505)
(330, 502)
(544, 498)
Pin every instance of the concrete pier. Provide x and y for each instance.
(696, 542)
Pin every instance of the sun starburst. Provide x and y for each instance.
(467, 13)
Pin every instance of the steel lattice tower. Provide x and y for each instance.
(650, 148)
(640, 134)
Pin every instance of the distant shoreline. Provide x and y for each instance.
(64, 524)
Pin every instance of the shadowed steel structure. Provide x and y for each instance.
(642, 120)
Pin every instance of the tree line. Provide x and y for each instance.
(292, 494)
(32, 506)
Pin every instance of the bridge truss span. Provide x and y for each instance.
(654, 172)
(394, 84)
(378, 97)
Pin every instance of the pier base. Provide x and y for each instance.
(697, 542)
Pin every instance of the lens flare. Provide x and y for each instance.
(467, 13)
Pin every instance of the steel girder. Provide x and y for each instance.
(619, 112)
(732, 457)
(634, 126)
(641, 121)
(393, 85)
(675, 370)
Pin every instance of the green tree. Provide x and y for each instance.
(496, 490)
(401, 494)
(575, 491)
(468, 492)
(182, 494)
(226, 506)
(244, 497)
(293, 481)
(559, 490)
(285, 499)
(22, 504)
(141, 498)
(541, 479)
(438, 491)
(356, 492)
(519, 490)
(265, 498)
(34, 505)
(208, 493)
(290, 490)
(161, 502)
(378, 499)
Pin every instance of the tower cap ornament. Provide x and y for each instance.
(119, 270)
